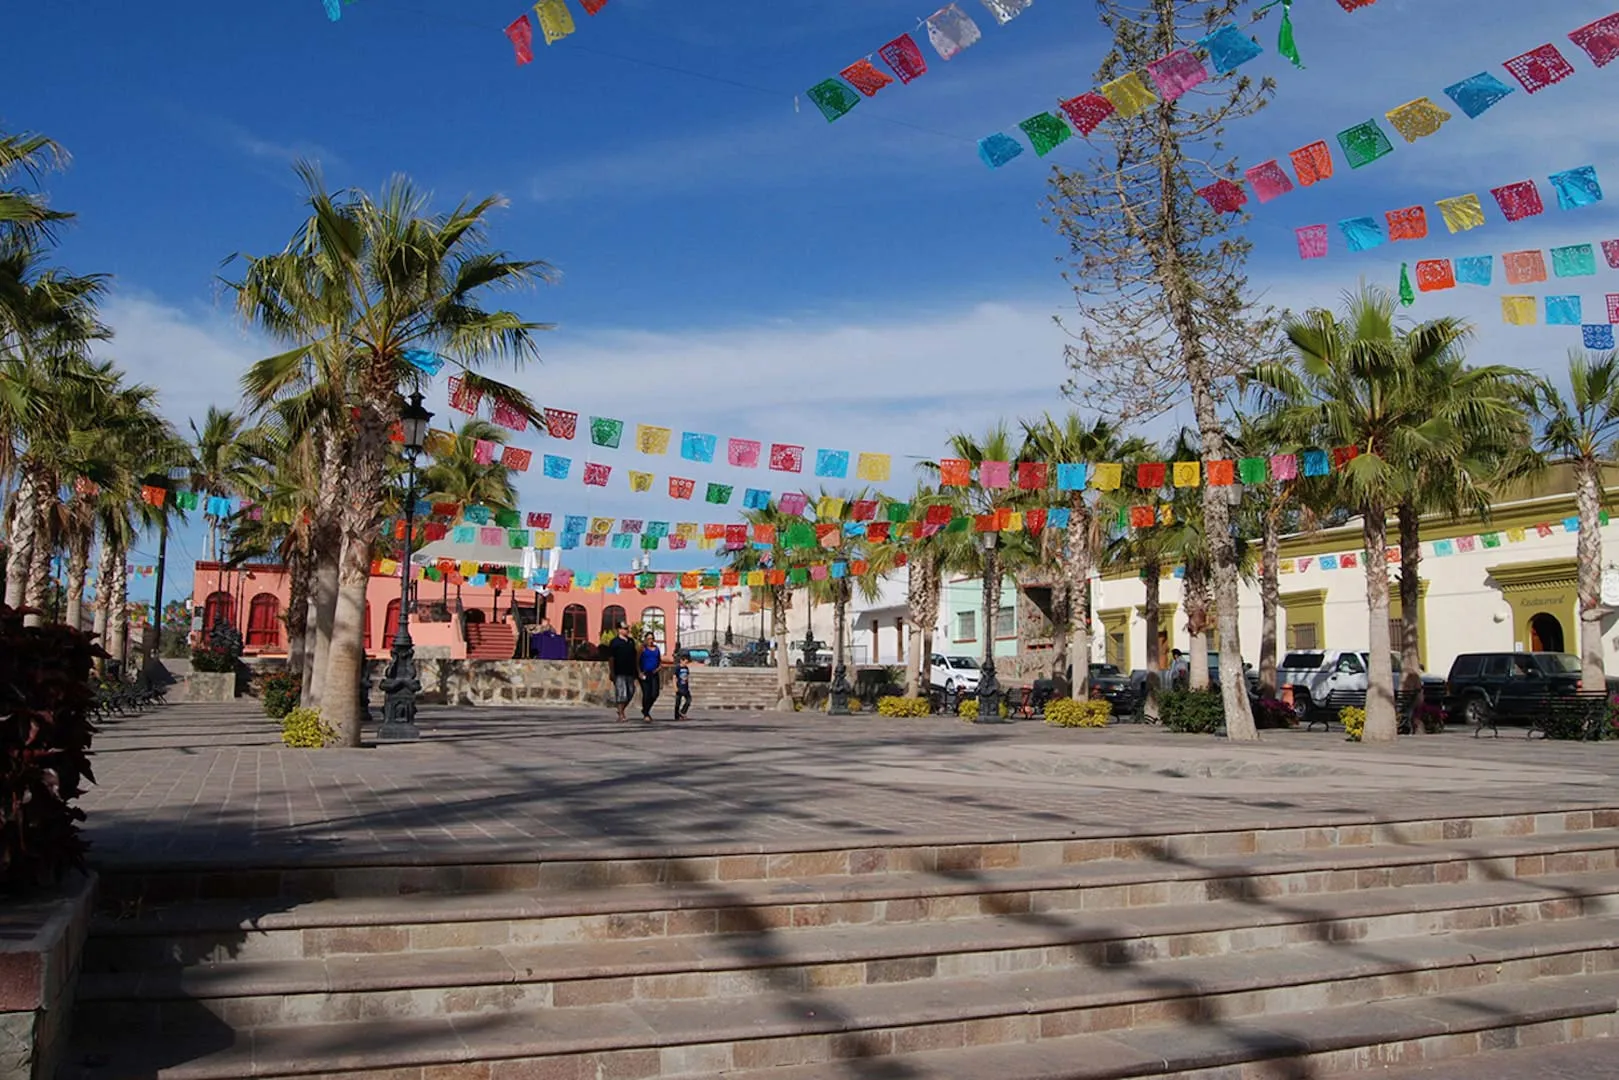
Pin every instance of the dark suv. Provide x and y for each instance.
(1484, 687)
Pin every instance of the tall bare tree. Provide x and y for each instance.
(1158, 273)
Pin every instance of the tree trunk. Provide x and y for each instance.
(118, 610)
(103, 604)
(325, 546)
(1075, 564)
(784, 663)
(78, 567)
(1062, 629)
(1270, 589)
(340, 699)
(1588, 495)
(1382, 721)
(24, 519)
(1410, 601)
(1152, 579)
(38, 593)
(297, 617)
(1196, 595)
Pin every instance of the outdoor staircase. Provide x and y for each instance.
(491, 641)
(754, 689)
(1306, 950)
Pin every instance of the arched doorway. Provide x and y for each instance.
(1545, 633)
(367, 626)
(474, 615)
(264, 622)
(218, 610)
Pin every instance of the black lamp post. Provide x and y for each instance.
(989, 689)
(399, 684)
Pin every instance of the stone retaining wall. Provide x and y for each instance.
(41, 945)
(515, 682)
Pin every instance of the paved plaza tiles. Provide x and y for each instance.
(200, 784)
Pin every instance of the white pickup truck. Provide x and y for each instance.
(1323, 678)
(1326, 680)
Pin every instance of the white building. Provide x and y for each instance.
(1501, 584)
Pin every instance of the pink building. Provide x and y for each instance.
(253, 598)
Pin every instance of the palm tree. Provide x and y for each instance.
(1489, 430)
(749, 558)
(1356, 382)
(455, 475)
(47, 320)
(24, 214)
(1078, 551)
(365, 285)
(977, 500)
(1582, 430)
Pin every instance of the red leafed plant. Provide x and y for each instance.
(45, 733)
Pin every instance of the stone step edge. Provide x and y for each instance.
(1342, 1047)
(1575, 817)
(780, 1033)
(225, 915)
(800, 947)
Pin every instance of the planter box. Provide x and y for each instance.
(41, 942)
(210, 686)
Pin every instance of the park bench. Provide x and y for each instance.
(1580, 715)
(1405, 705)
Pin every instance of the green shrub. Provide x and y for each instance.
(280, 692)
(45, 700)
(303, 728)
(968, 709)
(1066, 712)
(1354, 722)
(1191, 712)
(902, 706)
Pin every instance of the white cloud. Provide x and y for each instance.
(194, 356)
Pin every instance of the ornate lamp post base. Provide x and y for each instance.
(399, 687)
(989, 696)
(837, 694)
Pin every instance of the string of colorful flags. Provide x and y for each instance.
(1366, 142)
(555, 22)
(1167, 78)
(1460, 545)
(1574, 188)
(950, 30)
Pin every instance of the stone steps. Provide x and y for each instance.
(322, 875)
(734, 688)
(272, 929)
(1527, 976)
(1208, 953)
(444, 981)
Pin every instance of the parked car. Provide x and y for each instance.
(1326, 680)
(1113, 686)
(1508, 685)
(957, 673)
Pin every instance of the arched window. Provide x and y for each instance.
(390, 621)
(264, 622)
(218, 610)
(614, 618)
(575, 624)
(653, 622)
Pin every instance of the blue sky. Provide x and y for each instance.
(731, 262)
